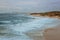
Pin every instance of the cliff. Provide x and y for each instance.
(49, 14)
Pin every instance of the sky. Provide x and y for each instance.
(29, 5)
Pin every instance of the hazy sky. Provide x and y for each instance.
(29, 5)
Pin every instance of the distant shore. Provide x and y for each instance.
(54, 14)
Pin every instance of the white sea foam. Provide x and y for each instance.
(36, 23)
(16, 31)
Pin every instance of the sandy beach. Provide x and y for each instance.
(48, 34)
(52, 33)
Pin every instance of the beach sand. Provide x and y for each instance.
(52, 33)
(48, 34)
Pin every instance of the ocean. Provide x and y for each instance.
(14, 26)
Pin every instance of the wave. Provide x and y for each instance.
(15, 27)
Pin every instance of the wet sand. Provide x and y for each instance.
(36, 35)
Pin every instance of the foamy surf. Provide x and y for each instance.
(17, 29)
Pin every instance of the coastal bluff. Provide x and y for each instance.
(48, 14)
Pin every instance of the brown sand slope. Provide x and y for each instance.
(52, 33)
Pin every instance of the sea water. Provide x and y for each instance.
(14, 26)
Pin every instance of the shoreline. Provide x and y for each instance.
(52, 14)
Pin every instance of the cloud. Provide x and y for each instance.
(17, 5)
(27, 3)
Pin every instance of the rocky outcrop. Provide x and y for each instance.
(49, 14)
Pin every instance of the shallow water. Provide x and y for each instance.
(14, 26)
